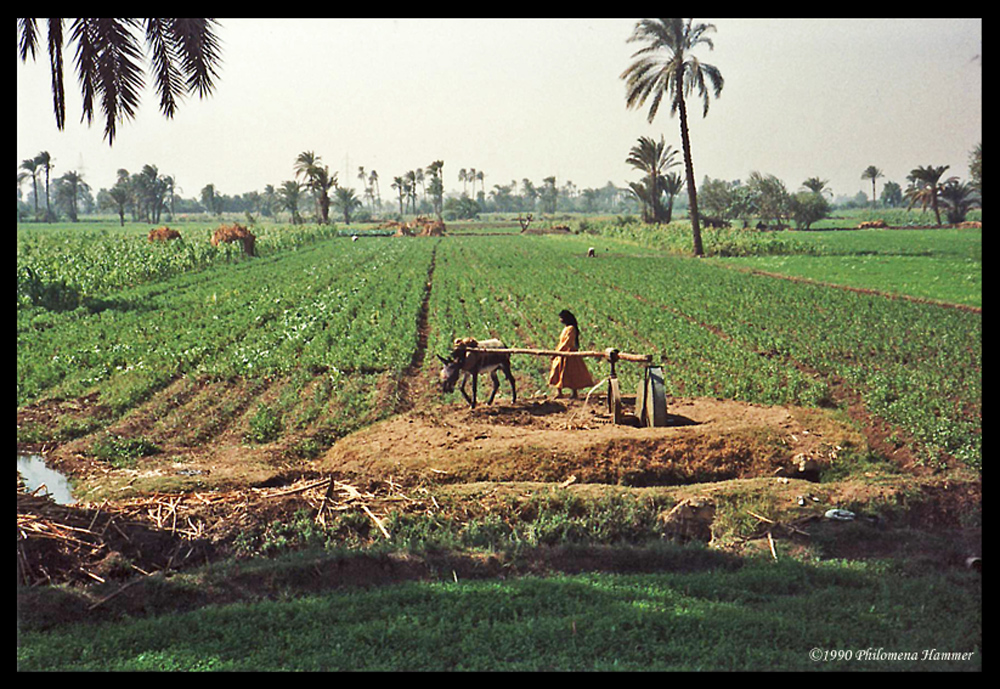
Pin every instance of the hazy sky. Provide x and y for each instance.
(534, 98)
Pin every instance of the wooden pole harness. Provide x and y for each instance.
(650, 399)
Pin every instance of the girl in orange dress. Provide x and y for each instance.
(569, 372)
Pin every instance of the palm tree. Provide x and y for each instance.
(472, 178)
(68, 190)
(373, 179)
(320, 182)
(666, 67)
(873, 173)
(419, 179)
(290, 193)
(654, 159)
(184, 54)
(347, 202)
(672, 185)
(119, 195)
(305, 162)
(816, 185)
(463, 177)
(398, 185)
(367, 190)
(44, 161)
(410, 186)
(268, 200)
(30, 165)
(925, 187)
(958, 199)
(436, 171)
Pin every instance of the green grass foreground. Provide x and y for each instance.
(763, 616)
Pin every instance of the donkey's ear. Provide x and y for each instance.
(443, 360)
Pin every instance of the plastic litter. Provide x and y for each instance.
(839, 515)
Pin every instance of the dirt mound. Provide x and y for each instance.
(554, 440)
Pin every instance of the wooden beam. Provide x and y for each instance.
(606, 354)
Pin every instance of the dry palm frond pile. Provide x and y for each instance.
(163, 234)
(235, 233)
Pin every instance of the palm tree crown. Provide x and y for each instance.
(665, 65)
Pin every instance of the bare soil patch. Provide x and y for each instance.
(552, 440)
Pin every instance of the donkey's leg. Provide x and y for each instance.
(496, 384)
(510, 379)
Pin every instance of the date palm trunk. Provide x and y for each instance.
(689, 171)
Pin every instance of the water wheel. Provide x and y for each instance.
(651, 399)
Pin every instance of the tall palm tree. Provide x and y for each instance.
(665, 66)
(45, 163)
(184, 54)
(463, 177)
(419, 179)
(653, 158)
(925, 187)
(399, 185)
(366, 187)
(873, 173)
(436, 171)
(373, 180)
(410, 179)
(30, 165)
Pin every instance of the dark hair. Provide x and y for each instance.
(568, 318)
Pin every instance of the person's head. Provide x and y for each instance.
(567, 318)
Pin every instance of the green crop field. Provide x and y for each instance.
(339, 306)
(178, 372)
(938, 265)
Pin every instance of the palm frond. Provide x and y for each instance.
(28, 38)
(199, 50)
(159, 38)
(56, 68)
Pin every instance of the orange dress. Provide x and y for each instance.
(569, 372)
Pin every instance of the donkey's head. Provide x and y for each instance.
(450, 371)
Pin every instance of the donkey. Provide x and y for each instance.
(471, 364)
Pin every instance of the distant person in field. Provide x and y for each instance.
(569, 372)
